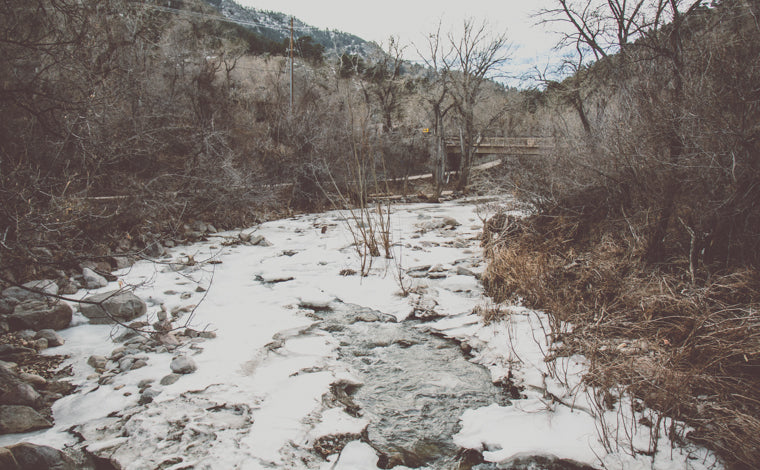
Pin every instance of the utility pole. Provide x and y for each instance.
(291, 65)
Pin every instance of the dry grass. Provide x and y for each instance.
(691, 351)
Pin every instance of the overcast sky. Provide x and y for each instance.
(410, 20)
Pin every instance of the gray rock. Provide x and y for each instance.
(121, 262)
(26, 335)
(97, 362)
(12, 350)
(147, 396)
(7, 460)
(53, 338)
(462, 271)
(136, 341)
(7, 305)
(259, 240)
(69, 287)
(118, 353)
(18, 418)
(32, 456)
(155, 250)
(46, 288)
(450, 222)
(170, 379)
(144, 383)
(122, 306)
(125, 363)
(193, 235)
(40, 344)
(14, 391)
(37, 315)
(33, 379)
(93, 280)
(183, 365)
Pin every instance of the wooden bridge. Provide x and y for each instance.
(505, 146)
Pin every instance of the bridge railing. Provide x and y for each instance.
(506, 145)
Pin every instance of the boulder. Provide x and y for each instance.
(26, 334)
(69, 286)
(32, 456)
(170, 379)
(46, 288)
(53, 338)
(18, 418)
(14, 391)
(121, 262)
(97, 362)
(39, 315)
(155, 250)
(93, 280)
(183, 365)
(147, 396)
(33, 379)
(7, 460)
(450, 222)
(259, 240)
(7, 305)
(8, 350)
(115, 305)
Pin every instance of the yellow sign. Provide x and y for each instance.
(426, 130)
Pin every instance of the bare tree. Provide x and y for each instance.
(476, 56)
(436, 55)
(386, 85)
(640, 33)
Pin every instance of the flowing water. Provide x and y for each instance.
(416, 386)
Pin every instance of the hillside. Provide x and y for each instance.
(275, 26)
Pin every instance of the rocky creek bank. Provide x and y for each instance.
(33, 313)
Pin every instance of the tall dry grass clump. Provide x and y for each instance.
(689, 351)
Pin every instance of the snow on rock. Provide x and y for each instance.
(112, 306)
(183, 365)
(335, 422)
(93, 280)
(355, 456)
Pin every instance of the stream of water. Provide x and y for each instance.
(416, 386)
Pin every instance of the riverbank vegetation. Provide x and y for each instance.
(646, 230)
(125, 123)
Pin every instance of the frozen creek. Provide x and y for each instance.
(315, 369)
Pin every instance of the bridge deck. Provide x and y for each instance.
(505, 146)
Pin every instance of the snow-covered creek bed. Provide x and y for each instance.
(313, 368)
